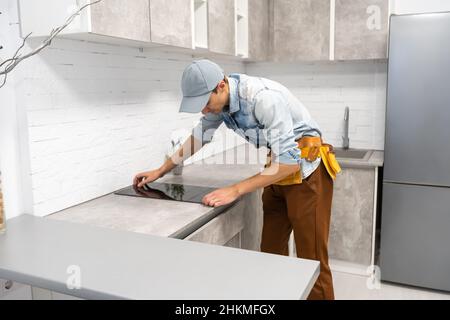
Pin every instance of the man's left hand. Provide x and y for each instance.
(221, 197)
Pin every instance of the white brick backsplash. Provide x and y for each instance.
(326, 88)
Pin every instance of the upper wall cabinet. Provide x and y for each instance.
(147, 21)
(222, 26)
(361, 29)
(171, 22)
(118, 19)
(301, 30)
(258, 29)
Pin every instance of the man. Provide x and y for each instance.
(298, 177)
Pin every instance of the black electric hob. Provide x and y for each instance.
(167, 191)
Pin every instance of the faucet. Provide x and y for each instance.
(345, 138)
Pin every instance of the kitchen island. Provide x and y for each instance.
(100, 263)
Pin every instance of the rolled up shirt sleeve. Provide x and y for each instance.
(205, 129)
(272, 111)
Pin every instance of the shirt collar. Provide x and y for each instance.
(234, 95)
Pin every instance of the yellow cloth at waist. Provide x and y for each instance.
(311, 152)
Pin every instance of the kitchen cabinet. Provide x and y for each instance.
(222, 26)
(361, 29)
(353, 215)
(239, 226)
(171, 22)
(113, 21)
(301, 30)
(121, 19)
(223, 230)
(116, 19)
(253, 221)
(258, 29)
(12, 290)
(44, 294)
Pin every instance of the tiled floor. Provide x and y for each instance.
(354, 287)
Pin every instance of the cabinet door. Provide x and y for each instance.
(224, 229)
(258, 29)
(361, 29)
(352, 216)
(301, 30)
(122, 19)
(37, 18)
(171, 22)
(221, 26)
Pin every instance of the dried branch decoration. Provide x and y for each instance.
(9, 64)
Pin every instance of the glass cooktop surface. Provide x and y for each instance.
(167, 191)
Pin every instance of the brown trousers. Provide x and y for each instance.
(306, 209)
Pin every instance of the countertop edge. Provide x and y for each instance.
(375, 160)
(201, 221)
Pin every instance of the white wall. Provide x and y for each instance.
(326, 88)
(419, 6)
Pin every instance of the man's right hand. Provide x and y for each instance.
(146, 177)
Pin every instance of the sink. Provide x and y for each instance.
(356, 154)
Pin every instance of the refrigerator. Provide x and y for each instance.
(415, 216)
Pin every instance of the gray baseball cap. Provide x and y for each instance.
(199, 79)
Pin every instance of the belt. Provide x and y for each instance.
(311, 149)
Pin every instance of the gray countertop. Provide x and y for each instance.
(150, 216)
(114, 264)
(167, 218)
(375, 160)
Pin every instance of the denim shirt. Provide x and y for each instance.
(265, 113)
